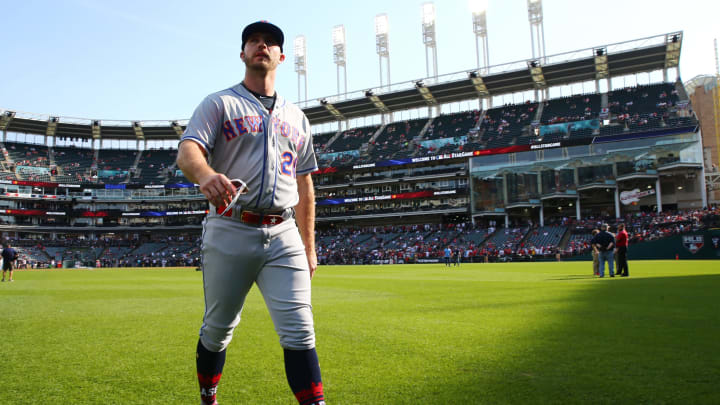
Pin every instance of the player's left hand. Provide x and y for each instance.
(312, 261)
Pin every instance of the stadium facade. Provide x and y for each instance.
(610, 152)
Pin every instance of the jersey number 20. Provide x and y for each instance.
(288, 164)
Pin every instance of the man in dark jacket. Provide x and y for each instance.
(604, 244)
(9, 256)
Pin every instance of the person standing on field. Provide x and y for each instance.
(596, 260)
(251, 152)
(621, 241)
(9, 262)
(448, 255)
(604, 244)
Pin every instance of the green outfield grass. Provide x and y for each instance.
(403, 334)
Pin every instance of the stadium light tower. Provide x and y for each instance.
(478, 8)
(537, 29)
(339, 51)
(428, 29)
(301, 65)
(382, 44)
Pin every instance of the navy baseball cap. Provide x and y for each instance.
(263, 26)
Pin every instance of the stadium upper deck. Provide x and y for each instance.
(524, 162)
(660, 52)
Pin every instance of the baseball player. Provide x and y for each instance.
(251, 153)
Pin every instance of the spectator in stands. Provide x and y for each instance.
(604, 244)
(621, 241)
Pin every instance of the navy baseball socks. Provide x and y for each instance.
(303, 374)
(301, 368)
(209, 371)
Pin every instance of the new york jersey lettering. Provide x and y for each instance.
(254, 122)
(240, 126)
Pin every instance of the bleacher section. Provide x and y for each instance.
(395, 139)
(75, 164)
(452, 125)
(114, 165)
(349, 142)
(502, 125)
(641, 108)
(30, 162)
(352, 139)
(320, 141)
(152, 166)
(634, 109)
(569, 109)
(506, 238)
(545, 236)
(475, 237)
(31, 254)
(579, 242)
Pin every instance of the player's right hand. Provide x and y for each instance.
(218, 189)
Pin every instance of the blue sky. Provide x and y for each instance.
(155, 60)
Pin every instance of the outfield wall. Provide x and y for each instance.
(688, 246)
(691, 245)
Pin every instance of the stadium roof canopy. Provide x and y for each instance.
(637, 56)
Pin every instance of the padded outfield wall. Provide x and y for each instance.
(688, 246)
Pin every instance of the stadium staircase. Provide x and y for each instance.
(419, 138)
(680, 88)
(170, 172)
(375, 135)
(334, 137)
(94, 165)
(133, 170)
(562, 245)
(524, 239)
(7, 162)
(52, 163)
(539, 112)
(51, 158)
(489, 237)
(8, 159)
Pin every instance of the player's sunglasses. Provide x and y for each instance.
(241, 188)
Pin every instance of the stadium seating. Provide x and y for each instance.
(568, 109)
(153, 166)
(114, 165)
(74, 164)
(352, 139)
(395, 139)
(545, 236)
(350, 142)
(29, 161)
(320, 141)
(32, 254)
(579, 242)
(452, 125)
(506, 238)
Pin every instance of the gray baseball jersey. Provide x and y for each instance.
(243, 140)
(266, 150)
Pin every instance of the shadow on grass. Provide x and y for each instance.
(572, 277)
(634, 340)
